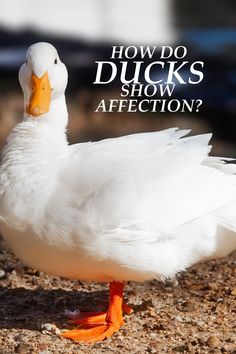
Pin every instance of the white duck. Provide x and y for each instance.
(138, 207)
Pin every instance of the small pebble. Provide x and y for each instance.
(233, 292)
(152, 312)
(213, 286)
(49, 328)
(2, 273)
(213, 342)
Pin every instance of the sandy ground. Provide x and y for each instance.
(196, 314)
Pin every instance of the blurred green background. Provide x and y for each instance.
(84, 31)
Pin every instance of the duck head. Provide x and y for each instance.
(43, 78)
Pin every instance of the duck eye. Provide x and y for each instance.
(26, 62)
(55, 61)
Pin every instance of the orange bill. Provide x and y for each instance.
(40, 98)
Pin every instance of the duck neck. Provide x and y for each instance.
(56, 118)
(38, 140)
(31, 161)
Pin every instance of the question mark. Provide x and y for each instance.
(199, 103)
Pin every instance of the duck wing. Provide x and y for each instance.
(154, 180)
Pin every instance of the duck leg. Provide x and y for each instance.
(98, 326)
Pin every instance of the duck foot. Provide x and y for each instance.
(90, 335)
(98, 326)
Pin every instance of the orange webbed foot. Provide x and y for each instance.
(90, 335)
(98, 326)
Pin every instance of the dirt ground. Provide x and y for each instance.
(194, 314)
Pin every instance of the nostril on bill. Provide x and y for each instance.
(36, 110)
